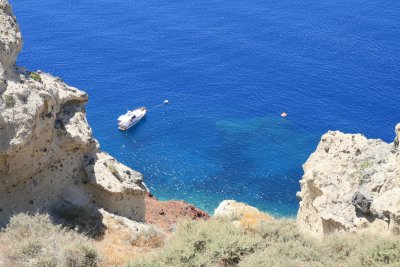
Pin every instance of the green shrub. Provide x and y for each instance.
(276, 243)
(285, 246)
(9, 101)
(35, 76)
(150, 237)
(36, 241)
(382, 252)
(82, 255)
(198, 243)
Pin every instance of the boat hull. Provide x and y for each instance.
(122, 128)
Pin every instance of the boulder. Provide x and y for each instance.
(350, 184)
(241, 214)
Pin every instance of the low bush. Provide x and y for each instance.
(9, 100)
(150, 237)
(275, 243)
(198, 243)
(36, 241)
(35, 76)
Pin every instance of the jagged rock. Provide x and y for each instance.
(241, 214)
(361, 202)
(298, 196)
(10, 44)
(115, 187)
(397, 139)
(46, 144)
(350, 184)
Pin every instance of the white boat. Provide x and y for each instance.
(132, 117)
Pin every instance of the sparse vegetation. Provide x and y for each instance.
(9, 100)
(278, 243)
(35, 76)
(36, 241)
(149, 238)
(360, 173)
(213, 243)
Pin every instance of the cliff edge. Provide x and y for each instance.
(351, 184)
(48, 156)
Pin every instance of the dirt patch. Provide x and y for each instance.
(166, 214)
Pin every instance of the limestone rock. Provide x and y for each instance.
(350, 184)
(47, 151)
(241, 214)
(10, 43)
(397, 139)
(362, 202)
(115, 187)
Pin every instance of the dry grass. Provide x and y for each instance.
(272, 243)
(120, 245)
(36, 241)
(198, 243)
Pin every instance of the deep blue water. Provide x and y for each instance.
(229, 68)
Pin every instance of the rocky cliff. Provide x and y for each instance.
(351, 184)
(48, 156)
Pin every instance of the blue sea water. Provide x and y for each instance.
(229, 68)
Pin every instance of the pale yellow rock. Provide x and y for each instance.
(350, 184)
(115, 187)
(241, 214)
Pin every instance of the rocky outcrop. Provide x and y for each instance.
(241, 214)
(10, 44)
(351, 184)
(47, 152)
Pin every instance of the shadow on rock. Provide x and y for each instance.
(84, 219)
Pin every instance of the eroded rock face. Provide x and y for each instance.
(10, 43)
(47, 152)
(351, 184)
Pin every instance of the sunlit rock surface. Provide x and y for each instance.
(351, 184)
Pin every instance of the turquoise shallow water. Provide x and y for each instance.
(229, 68)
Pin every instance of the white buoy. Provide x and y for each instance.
(165, 102)
(284, 115)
